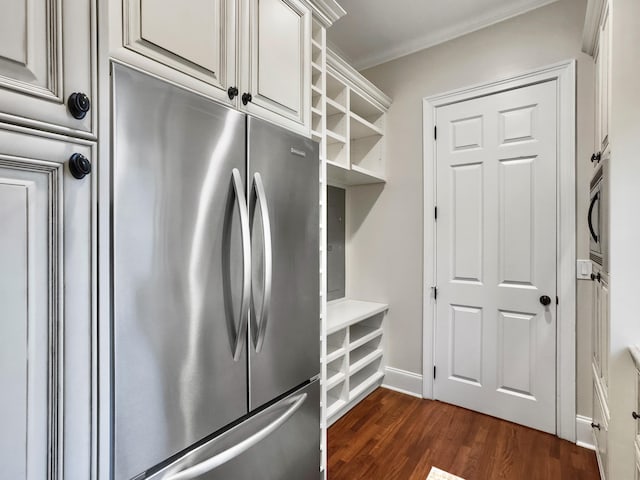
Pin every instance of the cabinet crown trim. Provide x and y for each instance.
(356, 80)
(327, 12)
(592, 19)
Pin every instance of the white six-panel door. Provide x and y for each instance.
(495, 345)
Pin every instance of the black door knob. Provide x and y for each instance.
(545, 300)
(79, 165)
(246, 98)
(78, 105)
(593, 157)
(232, 92)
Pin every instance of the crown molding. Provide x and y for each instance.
(443, 35)
(327, 11)
(595, 9)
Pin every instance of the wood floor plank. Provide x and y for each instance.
(391, 436)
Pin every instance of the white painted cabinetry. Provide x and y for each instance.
(253, 55)
(276, 60)
(602, 60)
(348, 121)
(600, 366)
(46, 291)
(354, 353)
(635, 415)
(47, 52)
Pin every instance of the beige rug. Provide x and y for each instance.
(437, 474)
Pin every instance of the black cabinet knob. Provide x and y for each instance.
(596, 157)
(78, 105)
(545, 300)
(79, 166)
(595, 425)
(246, 98)
(635, 415)
(232, 92)
(598, 277)
(593, 277)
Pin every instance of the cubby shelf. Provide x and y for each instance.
(355, 111)
(354, 352)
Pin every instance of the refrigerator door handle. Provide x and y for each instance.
(259, 327)
(223, 457)
(241, 331)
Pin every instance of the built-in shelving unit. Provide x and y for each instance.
(347, 120)
(354, 353)
(318, 67)
(354, 134)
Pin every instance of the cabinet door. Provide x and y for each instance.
(47, 315)
(605, 79)
(46, 56)
(598, 107)
(604, 333)
(596, 343)
(195, 37)
(276, 62)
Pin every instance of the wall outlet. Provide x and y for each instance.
(584, 269)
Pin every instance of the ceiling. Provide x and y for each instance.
(376, 31)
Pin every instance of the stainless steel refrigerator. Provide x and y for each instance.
(215, 238)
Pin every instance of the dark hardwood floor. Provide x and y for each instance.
(395, 436)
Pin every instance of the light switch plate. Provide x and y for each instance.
(584, 269)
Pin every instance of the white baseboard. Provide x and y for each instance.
(403, 381)
(584, 434)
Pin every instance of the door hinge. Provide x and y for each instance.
(435, 213)
(434, 372)
(435, 132)
(435, 293)
(557, 300)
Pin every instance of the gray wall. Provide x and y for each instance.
(385, 225)
(624, 226)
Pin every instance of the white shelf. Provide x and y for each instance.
(365, 384)
(363, 357)
(362, 128)
(334, 378)
(334, 353)
(363, 334)
(334, 107)
(334, 407)
(345, 312)
(333, 137)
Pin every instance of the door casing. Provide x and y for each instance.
(564, 74)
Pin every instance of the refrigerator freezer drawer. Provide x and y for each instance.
(280, 443)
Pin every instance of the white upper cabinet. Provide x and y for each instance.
(45, 57)
(604, 72)
(196, 37)
(47, 311)
(276, 60)
(253, 55)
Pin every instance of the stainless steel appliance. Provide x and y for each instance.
(597, 218)
(215, 235)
